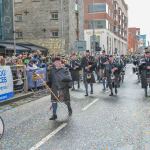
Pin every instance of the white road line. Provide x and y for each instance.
(89, 105)
(44, 140)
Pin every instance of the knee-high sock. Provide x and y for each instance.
(54, 106)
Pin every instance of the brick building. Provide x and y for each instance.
(133, 34)
(106, 23)
(55, 24)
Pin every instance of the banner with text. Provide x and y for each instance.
(6, 83)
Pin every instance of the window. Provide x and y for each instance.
(35, 0)
(19, 35)
(54, 33)
(98, 24)
(18, 1)
(18, 18)
(97, 7)
(54, 15)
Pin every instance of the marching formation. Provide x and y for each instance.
(63, 75)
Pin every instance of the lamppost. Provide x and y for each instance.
(62, 24)
(14, 28)
(93, 25)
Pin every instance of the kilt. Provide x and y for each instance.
(75, 75)
(89, 77)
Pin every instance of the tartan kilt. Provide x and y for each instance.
(89, 80)
(62, 94)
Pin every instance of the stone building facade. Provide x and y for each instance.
(50, 22)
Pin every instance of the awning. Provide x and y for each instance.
(33, 47)
(11, 47)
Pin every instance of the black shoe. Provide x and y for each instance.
(73, 89)
(54, 117)
(70, 111)
(91, 92)
(111, 94)
(116, 91)
(104, 89)
(86, 95)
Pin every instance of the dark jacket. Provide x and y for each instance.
(109, 67)
(145, 73)
(86, 61)
(75, 67)
(101, 62)
(59, 88)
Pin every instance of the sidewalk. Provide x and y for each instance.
(17, 97)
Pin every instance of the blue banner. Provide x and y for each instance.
(142, 41)
(6, 96)
(6, 83)
(36, 77)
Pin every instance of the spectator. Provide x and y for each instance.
(2, 61)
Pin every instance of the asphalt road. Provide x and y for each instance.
(99, 122)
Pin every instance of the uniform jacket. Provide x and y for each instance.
(57, 87)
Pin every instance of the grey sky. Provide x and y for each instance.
(139, 13)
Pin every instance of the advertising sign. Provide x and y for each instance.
(142, 41)
(80, 46)
(6, 83)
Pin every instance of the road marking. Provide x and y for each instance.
(89, 105)
(44, 140)
(147, 132)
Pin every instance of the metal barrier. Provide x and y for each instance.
(19, 78)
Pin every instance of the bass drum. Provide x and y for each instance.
(1, 127)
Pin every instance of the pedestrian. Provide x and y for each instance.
(88, 64)
(59, 82)
(75, 68)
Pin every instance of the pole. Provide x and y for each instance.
(14, 29)
(62, 24)
(62, 19)
(93, 25)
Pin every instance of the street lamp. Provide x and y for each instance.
(93, 25)
(14, 29)
(62, 22)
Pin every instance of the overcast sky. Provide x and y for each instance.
(139, 14)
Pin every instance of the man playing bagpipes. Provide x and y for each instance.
(75, 68)
(88, 64)
(59, 81)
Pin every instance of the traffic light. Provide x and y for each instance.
(97, 47)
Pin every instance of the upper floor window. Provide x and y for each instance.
(19, 35)
(18, 18)
(97, 7)
(54, 15)
(55, 34)
(97, 24)
(18, 1)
